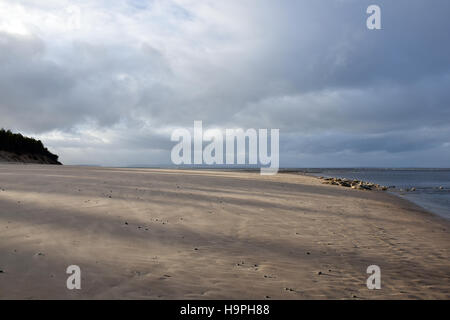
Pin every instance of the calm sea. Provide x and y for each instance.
(426, 181)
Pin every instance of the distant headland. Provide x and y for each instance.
(14, 147)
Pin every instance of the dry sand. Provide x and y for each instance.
(211, 235)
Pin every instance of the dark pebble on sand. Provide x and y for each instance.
(319, 273)
(1, 271)
(308, 253)
(126, 223)
(195, 249)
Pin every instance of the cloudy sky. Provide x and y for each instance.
(106, 82)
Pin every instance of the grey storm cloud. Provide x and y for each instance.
(40, 95)
(114, 88)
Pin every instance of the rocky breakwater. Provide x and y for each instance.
(354, 184)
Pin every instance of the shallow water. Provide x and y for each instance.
(426, 181)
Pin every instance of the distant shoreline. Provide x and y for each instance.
(312, 172)
(423, 194)
(27, 158)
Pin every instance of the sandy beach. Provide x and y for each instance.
(168, 234)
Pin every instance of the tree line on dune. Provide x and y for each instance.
(18, 144)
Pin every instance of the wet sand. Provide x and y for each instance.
(167, 234)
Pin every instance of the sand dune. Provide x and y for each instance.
(167, 234)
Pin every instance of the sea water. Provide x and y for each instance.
(432, 186)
